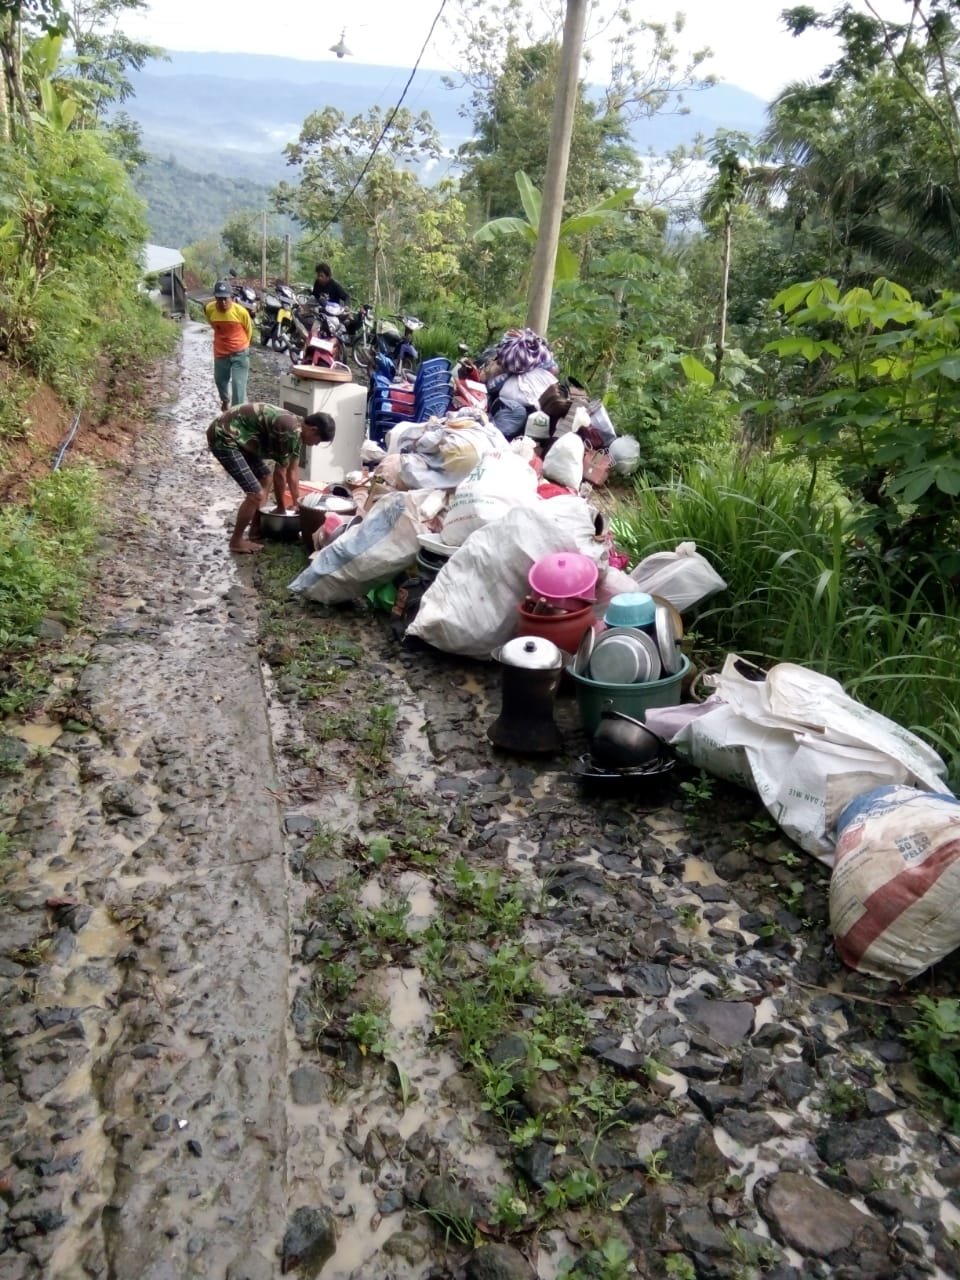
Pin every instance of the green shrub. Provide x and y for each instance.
(44, 550)
(71, 237)
(800, 589)
(678, 426)
(437, 340)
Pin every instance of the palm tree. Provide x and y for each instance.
(867, 160)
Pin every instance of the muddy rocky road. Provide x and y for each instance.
(299, 975)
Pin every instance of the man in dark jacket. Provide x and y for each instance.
(325, 288)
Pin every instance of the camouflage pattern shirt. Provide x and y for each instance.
(263, 429)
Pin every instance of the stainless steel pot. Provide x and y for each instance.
(531, 670)
(621, 742)
(279, 524)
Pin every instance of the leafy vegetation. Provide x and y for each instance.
(44, 563)
(71, 311)
(803, 588)
(744, 388)
(935, 1037)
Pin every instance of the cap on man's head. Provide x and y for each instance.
(221, 289)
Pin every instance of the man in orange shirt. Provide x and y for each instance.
(232, 331)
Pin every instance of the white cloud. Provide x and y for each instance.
(750, 46)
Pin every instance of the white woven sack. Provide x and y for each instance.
(471, 607)
(895, 889)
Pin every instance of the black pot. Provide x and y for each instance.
(621, 742)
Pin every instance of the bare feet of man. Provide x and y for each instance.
(243, 547)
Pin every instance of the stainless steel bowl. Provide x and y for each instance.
(279, 524)
(621, 742)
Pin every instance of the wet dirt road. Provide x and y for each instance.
(299, 974)
(165, 1043)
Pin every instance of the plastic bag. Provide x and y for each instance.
(895, 889)
(805, 746)
(498, 483)
(684, 576)
(471, 607)
(510, 418)
(612, 582)
(564, 463)
(625, 452)
(370, 451)
(524, 448)
(600, 419)
(446, 452)
(370, 553)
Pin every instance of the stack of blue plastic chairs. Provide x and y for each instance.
(388, 405)
(431, 390)
(392, 402)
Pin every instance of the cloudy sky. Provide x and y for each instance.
(749, 44)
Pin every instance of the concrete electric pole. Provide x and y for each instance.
(555, 180)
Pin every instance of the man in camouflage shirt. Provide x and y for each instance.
(243, 440)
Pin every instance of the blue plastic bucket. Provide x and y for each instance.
(595, 697)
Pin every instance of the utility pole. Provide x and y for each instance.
(286, 258)
(555, 180)
(263, 251)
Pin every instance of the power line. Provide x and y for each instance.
(389, 121)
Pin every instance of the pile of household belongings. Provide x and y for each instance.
(485, 506)
(850, 786)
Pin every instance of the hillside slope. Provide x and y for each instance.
(216, 125)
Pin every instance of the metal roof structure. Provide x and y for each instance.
(157, 258)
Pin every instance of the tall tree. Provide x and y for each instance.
(719, 206)
(873, 148)
(48, 16)
(357, 186)
(104, 55)
(511, 72)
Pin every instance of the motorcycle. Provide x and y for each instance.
(469, 388)
(389, 349)
(358, 336)
(276, 319)
(323, 345)
(243, 293)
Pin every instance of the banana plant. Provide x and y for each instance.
(64, 101)
(610, 210)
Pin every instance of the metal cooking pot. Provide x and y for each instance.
(531, 671)
(621, 742)
(278, 524)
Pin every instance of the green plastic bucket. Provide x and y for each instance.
(594, 697)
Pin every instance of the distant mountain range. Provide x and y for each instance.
(229, 115)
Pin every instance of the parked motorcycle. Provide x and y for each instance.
(469, 388)
(277, 329)
(388, 344)
(358, 337)
(323, 345)
(243, 293)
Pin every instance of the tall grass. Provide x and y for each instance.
(44, 553)
(801, 590)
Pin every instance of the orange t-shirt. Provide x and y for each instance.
(232, 328)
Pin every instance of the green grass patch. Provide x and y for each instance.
(935, 1039)
(802, 589)
(44, 567)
